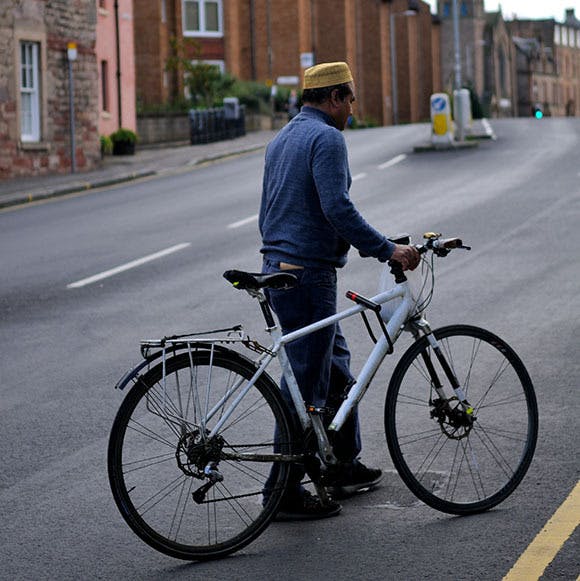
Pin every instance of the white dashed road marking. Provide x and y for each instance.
(127, 266)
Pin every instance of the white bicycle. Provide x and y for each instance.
(193, 442)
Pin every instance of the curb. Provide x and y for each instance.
(454, 146)
(219, 156)
(27, 198)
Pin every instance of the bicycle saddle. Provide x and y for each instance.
(254, 281)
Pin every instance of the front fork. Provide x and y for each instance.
(423, 326)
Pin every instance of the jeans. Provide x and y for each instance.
(321, 360)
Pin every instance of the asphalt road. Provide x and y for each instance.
(516, 201)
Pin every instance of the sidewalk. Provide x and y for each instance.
(118, 169)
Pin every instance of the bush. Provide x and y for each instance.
(355, 123)
(207, 85)
(106, 145)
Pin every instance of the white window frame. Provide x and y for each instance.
(202, 32)
(32, 70)
(215, 62)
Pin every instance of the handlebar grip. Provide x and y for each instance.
(448, 243)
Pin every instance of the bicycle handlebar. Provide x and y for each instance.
(440, 246)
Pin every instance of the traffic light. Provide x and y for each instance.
(537, 111)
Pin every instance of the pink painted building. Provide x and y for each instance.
(115, 65)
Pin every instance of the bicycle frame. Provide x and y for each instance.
(394, 327)
(358, 389)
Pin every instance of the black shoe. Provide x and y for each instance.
(356, 479)
(306, 507)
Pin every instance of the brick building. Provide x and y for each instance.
(266, 39)
(115, 54)
(34, 86)
(548, 65)
(513, 65)
(487, 55)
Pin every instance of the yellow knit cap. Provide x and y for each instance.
(326, 75)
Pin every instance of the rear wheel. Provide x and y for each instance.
(458, 462)
(184, 493)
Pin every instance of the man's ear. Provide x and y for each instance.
(334, 99)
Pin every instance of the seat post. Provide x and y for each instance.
(264, 305)
(267, 312)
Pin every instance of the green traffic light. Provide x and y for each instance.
(538, 114)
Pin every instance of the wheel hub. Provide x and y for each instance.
(455, 423)
(194, 452)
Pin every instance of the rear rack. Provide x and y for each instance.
(230, 335)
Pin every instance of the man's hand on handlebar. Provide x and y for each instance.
(407, 256)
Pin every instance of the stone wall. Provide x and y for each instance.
(51, 25)
(162, 128)
(154, 129)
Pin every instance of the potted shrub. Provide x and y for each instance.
(123, 141)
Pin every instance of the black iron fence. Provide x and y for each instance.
(209, 125)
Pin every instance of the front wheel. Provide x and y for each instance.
(187, 489)
(458, 462)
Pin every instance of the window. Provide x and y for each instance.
(29, 92)
(105, 86)
(202, 18)
(221, 65)
(556, 34)
(446, 10)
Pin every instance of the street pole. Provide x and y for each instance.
(269, 40)
(71, 57)
(457, 84)
(394, 87)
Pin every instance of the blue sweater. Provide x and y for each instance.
(306, 215)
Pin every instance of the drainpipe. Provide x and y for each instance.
(269, 38)
(120, 116)
(253, 40)
(313, 30)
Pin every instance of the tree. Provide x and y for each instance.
(205, 82)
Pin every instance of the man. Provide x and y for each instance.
(307, 223)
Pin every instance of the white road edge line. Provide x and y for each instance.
(243, 222)
(393, 161)
(359, 176)
(128, 266)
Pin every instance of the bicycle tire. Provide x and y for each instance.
(154, 470)
(462, 470)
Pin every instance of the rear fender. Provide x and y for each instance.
(132, 374)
